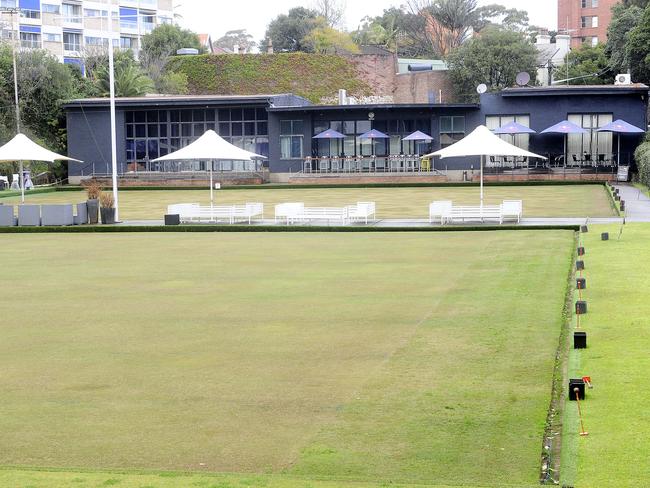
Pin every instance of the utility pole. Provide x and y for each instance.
(15, 35)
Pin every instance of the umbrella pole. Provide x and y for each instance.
(21, 181)
(211, 187)
(618, 160)
(482, 183)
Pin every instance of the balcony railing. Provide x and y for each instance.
(30, 44)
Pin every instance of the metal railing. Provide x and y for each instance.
(367, 164)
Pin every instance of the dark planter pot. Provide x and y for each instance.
(605, 236)
(581, 283)
(581, 251)
(93, 211)
(581, 307)
(108, 215)
(579, 385)
(622, 205)
(580, 340)
(580, 265)
(584, 229)
(172, 219)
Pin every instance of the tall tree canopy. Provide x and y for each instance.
(288, 31)
(494, 58)
(638, 49)
(588, 65)
(166, 39)
(333, 11)
(624, 20)
(236, 38)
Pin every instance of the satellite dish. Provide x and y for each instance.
(523, 79)
(481, 89)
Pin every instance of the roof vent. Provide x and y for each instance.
(187, 51)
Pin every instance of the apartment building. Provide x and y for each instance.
(70, 28)
(586, 21)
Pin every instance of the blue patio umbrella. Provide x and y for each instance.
(373, 134)
(418, 136)
(329, 134)
(513, 128)
(620, 127)
(565, 127)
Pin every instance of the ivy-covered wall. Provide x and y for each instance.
(313, 76)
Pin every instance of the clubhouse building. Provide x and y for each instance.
(283, 128)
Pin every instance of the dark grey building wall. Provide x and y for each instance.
(548, 110)
(89, 140)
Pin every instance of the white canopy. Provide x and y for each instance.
(482, 142)
(211, 146)
(22, 148)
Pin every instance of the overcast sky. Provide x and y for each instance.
(218, 16)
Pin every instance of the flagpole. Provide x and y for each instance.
(21, 181)
(111, 82)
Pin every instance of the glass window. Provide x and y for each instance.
(30, 40)
(71, 13)
(71, 41)
(224, 129)
(291, 139)
(590, 146)
(520, 140)
(30, 14)
(224, 115)
(452, 130)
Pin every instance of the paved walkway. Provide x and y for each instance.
(637, 204)
(411, 223)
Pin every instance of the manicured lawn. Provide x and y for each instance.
(539, 201)
(373, 357)
(615, 454)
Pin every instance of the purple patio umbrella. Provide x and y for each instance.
(418, 136)
(513, 128)
(620, 127)
(565, 127)
(373, 134)
(331, 134)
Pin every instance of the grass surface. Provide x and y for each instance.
(375, 358)
(615, 454)
(539, 201)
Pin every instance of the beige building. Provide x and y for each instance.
(70, 28)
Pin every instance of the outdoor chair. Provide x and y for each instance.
(57, 215)
(7, 218)
(29, 215)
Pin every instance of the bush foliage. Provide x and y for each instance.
(313, 76)
(642, 157)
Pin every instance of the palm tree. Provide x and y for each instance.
(130, 80)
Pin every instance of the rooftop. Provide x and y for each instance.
(283, 99)
(559, 90)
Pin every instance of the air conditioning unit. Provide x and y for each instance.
(623, 79)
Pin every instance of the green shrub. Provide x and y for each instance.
(312, 76)
(642, 157)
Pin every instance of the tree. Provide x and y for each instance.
(638, 49)
(494, 58)
(130, 79)
(326, 40)
(166, 39)
(398, 30)
(497, 15)
(588, 65)
(624, 20)
(287, 31)
(236, 38)
(333, 11)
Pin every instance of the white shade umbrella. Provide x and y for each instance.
(482, 142)
(22, 148)
(211, 147)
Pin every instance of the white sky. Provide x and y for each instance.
(218, 16)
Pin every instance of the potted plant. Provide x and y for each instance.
(93, 190)
(108, 208)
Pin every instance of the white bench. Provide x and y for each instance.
(476, 213)
(512, 210)
(440, 210)
(193, 212)
(296, 212)
(362, 211)
(444, 211)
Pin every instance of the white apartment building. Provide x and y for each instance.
(68, 28)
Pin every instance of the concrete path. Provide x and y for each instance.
(637, 204)
(411, 223)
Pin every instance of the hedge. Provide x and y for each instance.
(312, 76)
(110, 229)
(642, 157)
(358, 185)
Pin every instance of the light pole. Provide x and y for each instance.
(111, 82)
(15, 34)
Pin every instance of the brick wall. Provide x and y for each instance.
(415, 87)
(378, 71)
